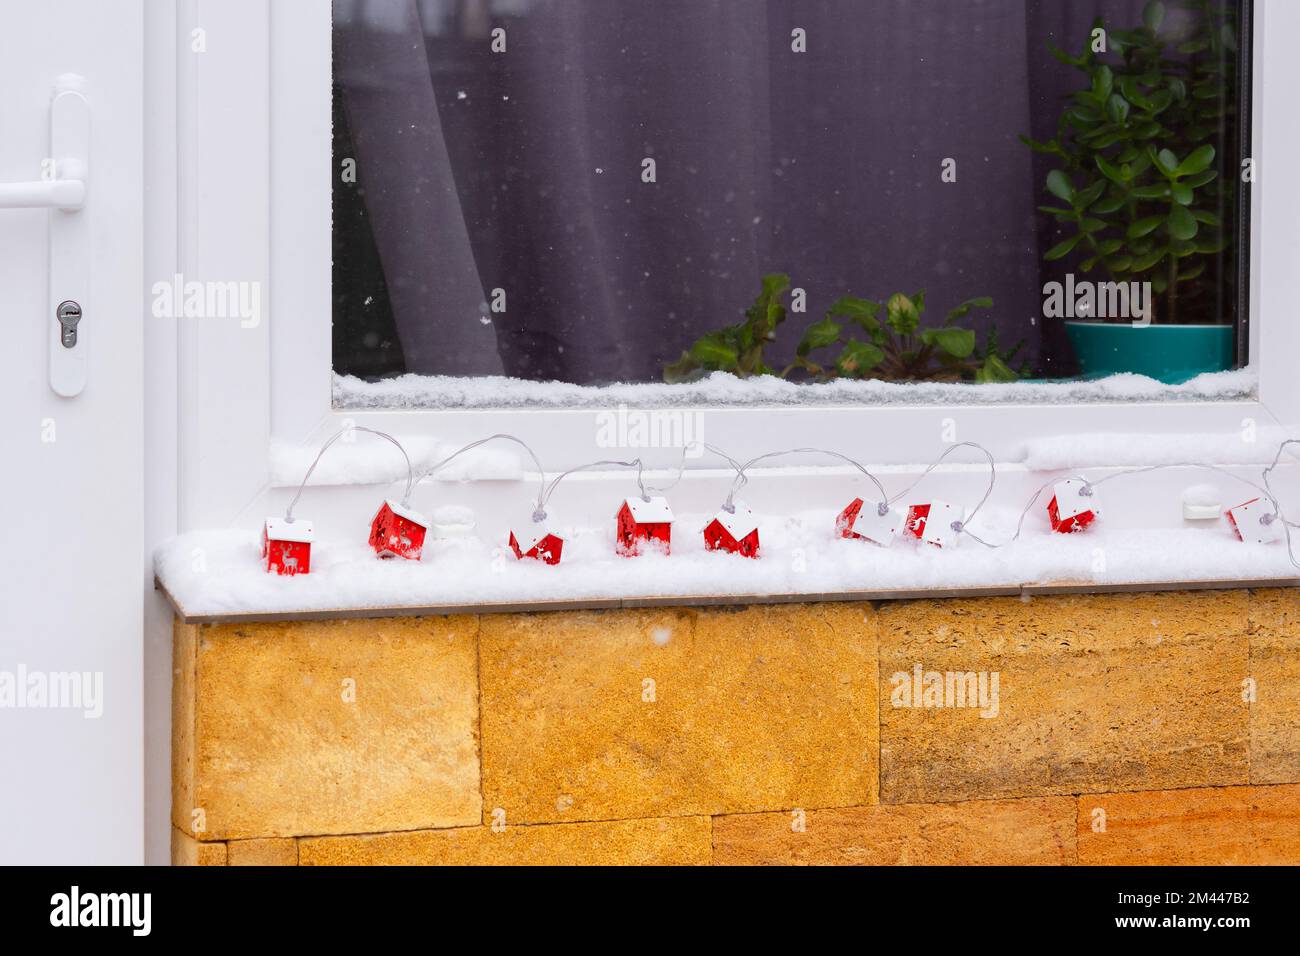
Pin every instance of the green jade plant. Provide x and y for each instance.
(1137, 172)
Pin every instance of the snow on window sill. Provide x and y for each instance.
(800, 560)
(722, 389)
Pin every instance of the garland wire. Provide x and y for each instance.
(883, 504)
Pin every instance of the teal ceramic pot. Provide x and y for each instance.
(1168, 353)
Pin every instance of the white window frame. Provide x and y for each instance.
(254, 171)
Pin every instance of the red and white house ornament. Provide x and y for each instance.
(398, 531)
(643, 524)
(1073, 506)
(734, 530)
(1255, 521)
(865, 521)
(537, 543)
(286, 545)
(932, 522)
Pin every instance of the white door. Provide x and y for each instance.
(72, 567)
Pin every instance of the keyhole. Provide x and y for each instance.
(69, 314)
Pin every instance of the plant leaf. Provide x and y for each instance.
(1161, 100)
(1064, 57)
(1140, 228)
(1049, 147)
(1143, 263)
(768, 312)
(1153, 14)
(995, 370)
(1117, 108)
(958, 343)
(1129, 87)
(1165, 161)
(857, 358)
(1089, 195)
(1182, 225)
(1062, 249)
(861, 311)
(819, 335)
(713, 353)
(1197, 161)
(1058, 184)
(1112, 172)
(685, 369)
(979, 302)
(902, 314)
(1103, 81)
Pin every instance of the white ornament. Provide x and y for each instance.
(1255, 522)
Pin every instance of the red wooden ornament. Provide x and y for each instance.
(735, 531)
(398, 532)
(933, 521)
(844, 523)
(643, 524)
(286, 545)
(537, 543)
(1070, 509)
(1247, 525)
(867, 523)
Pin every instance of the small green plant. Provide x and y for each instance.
(864, 345)
(1139, 176)
(737, 348)
(897, 348)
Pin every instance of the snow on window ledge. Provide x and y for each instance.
(801, 559)
(722, 389)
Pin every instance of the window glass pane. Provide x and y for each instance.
(599, 191)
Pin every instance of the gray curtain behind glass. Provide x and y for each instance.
(522, 171)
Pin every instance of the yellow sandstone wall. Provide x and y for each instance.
(1133, 728)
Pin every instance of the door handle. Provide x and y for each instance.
(64, 193)
(47, 194)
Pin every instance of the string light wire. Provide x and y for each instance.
(742, 477)
(546, 490)
(636, 463)
(541, 475)
(410, 474)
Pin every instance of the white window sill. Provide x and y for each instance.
(1141, 541)
(799, 561)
